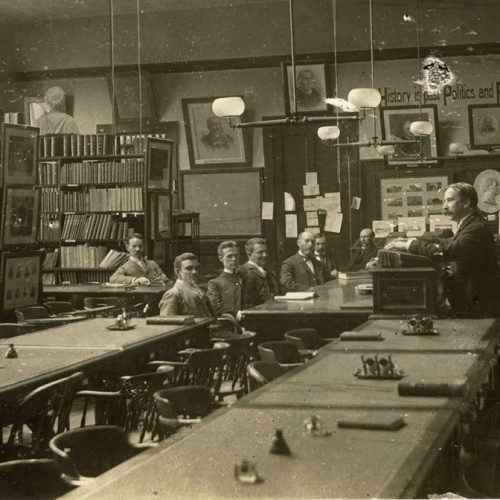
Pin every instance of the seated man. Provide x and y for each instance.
(362, 255)
(302, 271)
(138, 270)
(225, 291)
(259, 283)
(329, 263)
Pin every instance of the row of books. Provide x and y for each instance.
(76, 277)
(49, 228)
(94, 227)
(48, 278)
(125, 199)
(82, 255)
(76, 145)
(51, 257)
(133, 143)
(49, 200)
(95, 172)
(114, 258)
(47, 173)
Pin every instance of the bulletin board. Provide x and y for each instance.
(229, 202)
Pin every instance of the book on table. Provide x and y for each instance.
(171, 320)
(364, 274)
(296, 296)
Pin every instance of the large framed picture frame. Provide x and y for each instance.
(21, 279)
(20, 154)
(484, 126)
(406, 196)
(20, 216)
(131, 97)
(159, 153)
(395, 123)
(211, 141)
(312, 86)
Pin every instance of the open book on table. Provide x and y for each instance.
(296, 296)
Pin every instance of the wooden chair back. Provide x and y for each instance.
(305, 338)
(59, 306)
(279, 351)
(262, 372)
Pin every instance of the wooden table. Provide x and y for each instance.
(326, 313)
(350, 463)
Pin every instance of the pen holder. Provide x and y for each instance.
(419, 325)
(379, 369)
(246, 472)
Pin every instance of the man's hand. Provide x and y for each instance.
(334, 273)
(142, 281)
(400, 244)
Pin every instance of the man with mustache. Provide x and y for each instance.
(472, 281)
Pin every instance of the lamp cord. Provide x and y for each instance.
(139, 72)
(292, 47)
(334, 20)
(417, 20)
(112, 50)
(372, 69)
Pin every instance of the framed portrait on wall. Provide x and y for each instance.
(20, 216)
(20, 154)
(395, 123)
(211, 141)
(311, 83)
(21, 279)
(484, 126)
(159, 163)
(133, 95)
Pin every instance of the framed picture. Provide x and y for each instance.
(20, 154)
(20, 216)
(211, 141)
(411, 197)
(312, 86)
(487, 184)
(484, 126)
(159, 163)
(130, 97)
(22, 279)
(395, 124)
(34, 109)
(163, 212)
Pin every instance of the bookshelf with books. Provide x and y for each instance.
(89, 203)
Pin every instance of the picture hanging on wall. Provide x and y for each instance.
(211, 141)
(395, 123)
(484, 126)
(159, 162)
(487, 184)
(20, 154)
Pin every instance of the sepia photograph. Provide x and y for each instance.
(484, 126)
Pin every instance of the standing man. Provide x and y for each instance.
(260, 284)
(472, 282)
(329, 263)
(367, 251)
(302, 271)
(225, 291)
(138, 270)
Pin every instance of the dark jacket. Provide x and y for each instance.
(472, 288)
(329, 264)
(361, 257)
(257, 288)
(296, 276)
(225, 293)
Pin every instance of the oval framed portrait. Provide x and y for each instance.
(487, 185)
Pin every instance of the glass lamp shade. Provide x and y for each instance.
(328, 133)
(421, 128)
(458, 148)
(364, 98)
(228, 106)
(386, 150)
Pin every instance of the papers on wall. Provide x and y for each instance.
(312, 218)
(310, 204)
(310, 189)
(312, 229)
(289, 203)
(440, 222)
(413, 226)
(356, 203)
(333, 222)
(311, 178)
(267, 210)
(382, 228)
(332, 202)
(291, 225)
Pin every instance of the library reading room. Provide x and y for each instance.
(249, 249)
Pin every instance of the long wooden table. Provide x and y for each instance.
(327, 313)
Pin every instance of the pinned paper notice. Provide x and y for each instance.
(382, 228)
(312, 229)
(267, 210)
(311, 178)
(310, 189)
(312, 218)
(311, 204)
(291, 225)
(289, 203)
(356, 203)
(413, 226)
(333, 222)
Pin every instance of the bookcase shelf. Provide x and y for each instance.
(83, 269)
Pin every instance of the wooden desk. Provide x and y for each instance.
(325, 313)
(455, 335)
(348, 464)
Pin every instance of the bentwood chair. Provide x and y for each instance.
(184, 405)
(262, 372)
(42, 413)
(88, 452)
(280, 351)
(306, 338)
(31, 478)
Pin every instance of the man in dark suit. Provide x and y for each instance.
(362, 255)
(472, 281)
(302, 271)
(260, 284)
(329, 262)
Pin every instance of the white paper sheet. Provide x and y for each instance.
(310, 189)
(382, 228)
(356, 203)
(311, 178)
(291, 225)
(267, 210)
(289, 203)
(413, 226)
(333, 222)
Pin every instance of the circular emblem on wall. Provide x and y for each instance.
(487, 185)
